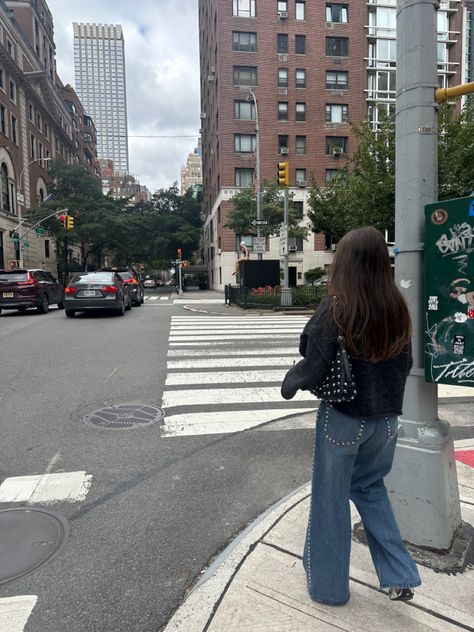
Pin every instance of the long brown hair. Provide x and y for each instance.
(368, 307)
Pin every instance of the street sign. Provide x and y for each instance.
(40, 231)
(259, 244)
(283, 240)
(259, 222)
(25, 244)
(20, 197)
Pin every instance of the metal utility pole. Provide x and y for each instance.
(285, 256)
(423, 483)
(257, 168)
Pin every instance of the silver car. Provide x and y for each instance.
(96, 290)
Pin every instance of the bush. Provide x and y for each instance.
(313, 274)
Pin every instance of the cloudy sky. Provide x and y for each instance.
(162, 65)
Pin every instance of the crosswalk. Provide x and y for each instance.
(224, 373)
(174, 299)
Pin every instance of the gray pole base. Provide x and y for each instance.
(286, 297)
(459, 558)
(425, 464)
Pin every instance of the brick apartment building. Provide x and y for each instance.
(312, 67)
(36, 124)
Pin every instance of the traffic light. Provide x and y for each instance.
(63, 219)
(283, 174)
(179, 252)
(69, 222)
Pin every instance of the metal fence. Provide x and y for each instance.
(303, 296)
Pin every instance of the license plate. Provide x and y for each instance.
(89, 292)
(8, 295)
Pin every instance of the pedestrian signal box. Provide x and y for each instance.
(449, 292)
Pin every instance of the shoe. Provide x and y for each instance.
(401, 594)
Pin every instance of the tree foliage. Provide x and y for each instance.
(146, 232)
(363, 193)
(244, 211)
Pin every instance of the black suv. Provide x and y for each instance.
(21, 289)
(132, 280)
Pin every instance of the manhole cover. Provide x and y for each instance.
(124, 416)
(29, 538)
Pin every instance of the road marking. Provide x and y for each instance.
(164, 298)
(226, 377)
(257, 394)
(223, 320)
(221, 422)
(231, 331)
(242, 336)
(44, 488)
(277, 351)
(208, 363)
(194, 301)
(15, 612)
(53, 462)
(109, 377)
(151, 298)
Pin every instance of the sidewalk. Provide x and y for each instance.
(258, 584)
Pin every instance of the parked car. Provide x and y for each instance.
(149, 283)
(97, 290)
(21, 289)
(133, 280)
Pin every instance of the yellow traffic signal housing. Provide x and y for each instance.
(69, 222)
(283, 174)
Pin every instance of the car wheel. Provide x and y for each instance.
(121, 309)
(22, 310)
(70, 313)
(129, 305)
(43, 307)
(61, 305)
(137, 303)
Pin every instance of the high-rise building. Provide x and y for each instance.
(99, 62)
(301, 71)
(191, 172)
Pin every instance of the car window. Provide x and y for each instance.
(39, 275)
(13, 277)
(93, 277)
(125, 275)
(49, 277)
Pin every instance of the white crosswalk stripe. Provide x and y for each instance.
(15, 612)
(211, 388)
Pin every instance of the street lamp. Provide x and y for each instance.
(257, 166)
(21, 200)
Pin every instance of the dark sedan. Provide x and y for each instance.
(96, 290)
(21, 289)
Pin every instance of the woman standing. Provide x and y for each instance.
(355, 441)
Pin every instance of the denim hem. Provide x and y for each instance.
(330, 602)
(400, 585)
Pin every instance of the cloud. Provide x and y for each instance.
(162, 66)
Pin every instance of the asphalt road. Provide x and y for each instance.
(159, 508)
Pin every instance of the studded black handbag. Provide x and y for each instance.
(339, 384)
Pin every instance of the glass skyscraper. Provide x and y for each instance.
(99, 62)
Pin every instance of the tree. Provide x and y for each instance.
(244, 211)
(364, 191)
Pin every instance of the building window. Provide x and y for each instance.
(382, 85)
(300, 78)
(45, 130)
(300, 177)
(244, 8)
(300, 10)
(12, 91)
(336, 13)
(300, 44)
(337, 79)
(297, 209)
(282, 77)
(30, 112)
(336, 113)
(14, 130)
(32, 147)
(282, 5)
(330, 174)
(337, 46)
(244, 110)
(283, 142)
(242, 41)
(46, 249)
(336, 145)
(3, 122)
(383, 53)
(300, 111)
(2, 79)
(243, 177)
(10, 48)
(245, 76)
(245, 143)
(283, 110)
(300, 145)
(4, 186)
(282, 43)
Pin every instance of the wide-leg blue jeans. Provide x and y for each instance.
(351, 458)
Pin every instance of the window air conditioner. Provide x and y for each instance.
(333, 247)
(282, 90)
(203, 116)
(292, 248)
(283, 15)
(329, 25)
(284, 151)
(337, 151)
(213, 69)
(282, 57)
(210, 77)
(301, 183)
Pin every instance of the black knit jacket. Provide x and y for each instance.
(380, 385)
